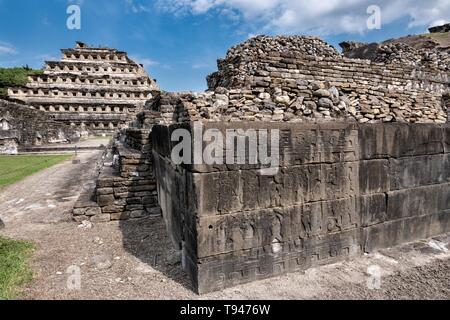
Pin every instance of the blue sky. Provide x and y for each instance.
(179, 41)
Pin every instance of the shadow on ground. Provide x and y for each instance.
(147, 240)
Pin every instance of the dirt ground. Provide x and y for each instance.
(134, 259)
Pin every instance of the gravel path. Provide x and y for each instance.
(133, 259)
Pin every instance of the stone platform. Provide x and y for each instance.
(342, 189)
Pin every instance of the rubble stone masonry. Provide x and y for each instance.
(303, 78)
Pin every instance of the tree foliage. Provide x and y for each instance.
(15, 77)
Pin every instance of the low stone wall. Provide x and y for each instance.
(34, 127)
(342, 189)
(406, 88)
(126, 186)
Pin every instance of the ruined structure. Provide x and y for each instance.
(440, 29)
(22, 127)
(352, 133)
(97, 89)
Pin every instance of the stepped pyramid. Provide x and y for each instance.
(97, 89)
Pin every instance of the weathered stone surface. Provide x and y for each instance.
(374, 176)
(351, 133)
(124, 215)
(357, 188)
(101, 218)
(372, 209)
(400, 140)
(419, 171)
(246, 230)
(447, 138)
(112, 209)
(107, 200)
(418, 201)
(220, 272)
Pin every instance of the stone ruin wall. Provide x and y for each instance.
(126, 185)
(287, 79)
(98, 90)
(27, 127)
(358, 127)
(263, 80)
(341, 190)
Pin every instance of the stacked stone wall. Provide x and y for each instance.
(126, 186)
(404, 90)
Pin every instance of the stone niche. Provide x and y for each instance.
(341, 189)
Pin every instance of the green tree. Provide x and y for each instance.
(15, 77)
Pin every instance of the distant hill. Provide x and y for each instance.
(439, 41)
(14, 77)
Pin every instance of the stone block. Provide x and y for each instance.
(418, 201)
(132, 207)
(413, 172)
(120, 215)
(440, 223)
(80, 218)
(79, 211)
(447, 138)
(105, 182)
(149, 200)
(101, 218)
(105, 200)
(392, 233)
(228, 192)
(246, 230)
(138, 214)
(372, 209)
(400, 140)
(141, 188)
(113, 209)
(223, 271)
(137, 200)
(93, 211)
(373, 176)
(218, 193)
(104, 191)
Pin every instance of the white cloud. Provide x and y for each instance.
(439, 22)
(146, 62)
(6, 48)
(322, 17)
(136, 7)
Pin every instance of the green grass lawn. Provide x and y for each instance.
(100, 138)
(15, 168)
(14, 269)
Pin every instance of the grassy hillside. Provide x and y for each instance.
(12, 77)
